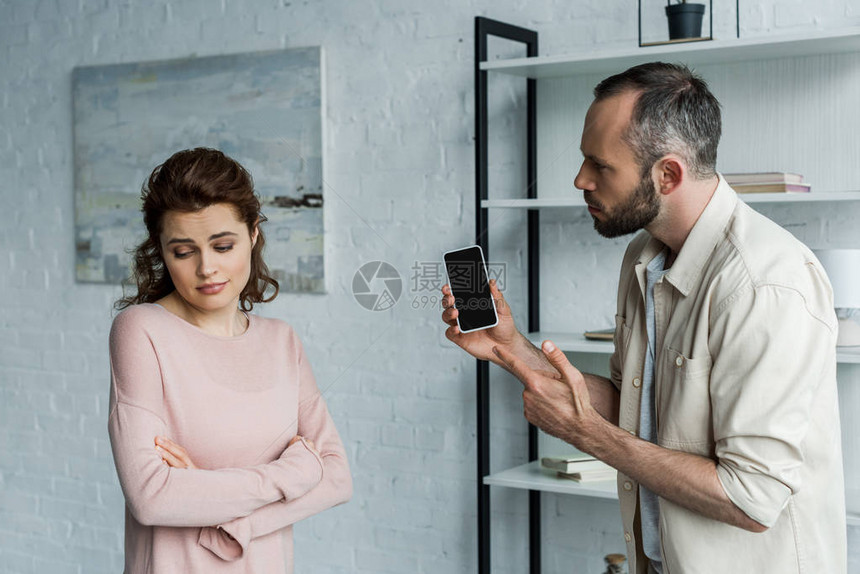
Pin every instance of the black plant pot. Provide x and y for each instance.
(685, 20)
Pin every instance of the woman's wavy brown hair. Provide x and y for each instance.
(191, 180)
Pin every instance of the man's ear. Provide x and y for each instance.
(668, 173)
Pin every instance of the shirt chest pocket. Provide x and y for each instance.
(683, 398)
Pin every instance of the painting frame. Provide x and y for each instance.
(264, 109)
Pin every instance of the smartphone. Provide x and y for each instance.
(467, 276)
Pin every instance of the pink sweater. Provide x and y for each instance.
(233, 403)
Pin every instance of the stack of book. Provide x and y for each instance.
(767, 182)
(600, 335)
(580, 467)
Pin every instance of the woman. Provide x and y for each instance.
(219, 433)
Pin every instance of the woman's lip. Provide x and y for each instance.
(212, 289)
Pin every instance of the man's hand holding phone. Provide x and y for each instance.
(480, 343)
(485, 320)
(474, 308)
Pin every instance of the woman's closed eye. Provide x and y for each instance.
(219, 249)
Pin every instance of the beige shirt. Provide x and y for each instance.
(745, 374)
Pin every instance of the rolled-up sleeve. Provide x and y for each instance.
(771, 346)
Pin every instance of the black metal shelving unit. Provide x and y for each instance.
(484, 28)
(780, 47)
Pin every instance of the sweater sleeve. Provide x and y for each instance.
(157, 494)
(314, 424)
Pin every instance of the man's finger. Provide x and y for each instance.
(549, 374)
(556, 357)
(452, 333)
(501, 304)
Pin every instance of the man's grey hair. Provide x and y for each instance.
(675, 112)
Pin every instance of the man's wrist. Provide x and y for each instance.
(530, 353)
(593, 436)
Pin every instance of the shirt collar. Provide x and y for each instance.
(708, 230)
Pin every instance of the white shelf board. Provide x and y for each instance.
(533, 476)
(848, 354)
(573, 342)
(577, 343)
(693, 53)
(811, 196)
(533, 203)
(578, 201)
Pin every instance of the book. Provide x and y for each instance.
(601, 335)
(771, 187)
(762, 177)
(574, 464)
(608, 473)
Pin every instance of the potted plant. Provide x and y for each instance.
(685, 19)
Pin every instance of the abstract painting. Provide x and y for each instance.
(262, 109)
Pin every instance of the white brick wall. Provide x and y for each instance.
(399, 166)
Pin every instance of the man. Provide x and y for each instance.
(721, 413)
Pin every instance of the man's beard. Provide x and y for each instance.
(639, 210)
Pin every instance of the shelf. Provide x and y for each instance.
(533, 203)
(591, 64)
(694, 54)
(532, 476)
(577, 343)
(578, 201)
(810, 197)
(573, 342)
(848, 355)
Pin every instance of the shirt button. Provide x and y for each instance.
(636, 382)
(628, 485)
(627, 537)
(679, 361)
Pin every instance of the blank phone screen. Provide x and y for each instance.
(467, 276)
